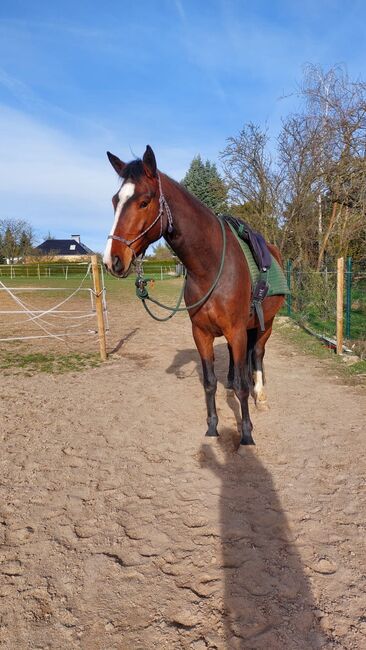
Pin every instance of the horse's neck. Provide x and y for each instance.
(195, 229)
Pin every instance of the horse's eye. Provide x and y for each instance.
(144, 204)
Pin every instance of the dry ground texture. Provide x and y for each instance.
(122, 527)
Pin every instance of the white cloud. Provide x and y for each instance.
(180, 9)
(53, 181)
(39, 161)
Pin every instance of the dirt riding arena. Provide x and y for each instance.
(123, 528)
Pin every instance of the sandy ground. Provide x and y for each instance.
(123, 527)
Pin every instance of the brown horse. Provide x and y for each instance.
(149, 205)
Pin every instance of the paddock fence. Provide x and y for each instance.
(156, 270)
(313, 301)
(52, 301)
(162, 270)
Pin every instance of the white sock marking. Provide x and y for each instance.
(258, 382)
(127, 190)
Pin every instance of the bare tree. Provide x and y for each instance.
(300, 161)
(251, 179)
(322, 157)
(309, 196)
(341, 103)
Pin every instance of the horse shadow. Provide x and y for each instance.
(267, 601)
(190, 356)
(187, 363)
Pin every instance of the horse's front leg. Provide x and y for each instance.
(230, 374)
(241, 384)
(204, 343)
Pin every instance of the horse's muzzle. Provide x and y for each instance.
(117, 267)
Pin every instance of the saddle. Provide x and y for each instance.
(262, 258)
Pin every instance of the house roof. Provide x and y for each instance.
(63, 247)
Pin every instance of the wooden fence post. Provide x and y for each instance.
(340, 290)
(348, 297)
(99, 307)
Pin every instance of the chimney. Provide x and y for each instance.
(76, 237)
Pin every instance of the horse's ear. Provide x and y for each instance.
(116, 163)
(149, 162)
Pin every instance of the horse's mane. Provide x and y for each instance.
(135, 169)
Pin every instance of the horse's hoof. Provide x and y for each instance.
(211, 433)
(248, 440)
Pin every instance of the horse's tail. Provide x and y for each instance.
(252, 338)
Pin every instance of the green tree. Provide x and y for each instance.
(25, 243)
(161, 252)
(16, 239)
(204, 182)
(10, 248)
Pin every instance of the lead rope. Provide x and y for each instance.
(141, 282)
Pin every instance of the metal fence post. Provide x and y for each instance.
(348, 297)
(289, 297)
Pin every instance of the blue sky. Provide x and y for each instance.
(80, 77)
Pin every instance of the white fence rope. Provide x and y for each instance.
(36, 316)
(40, 314)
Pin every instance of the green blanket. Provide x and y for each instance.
(275, 276)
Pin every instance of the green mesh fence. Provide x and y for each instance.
(313, 301)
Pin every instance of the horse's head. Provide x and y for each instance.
(138, 209)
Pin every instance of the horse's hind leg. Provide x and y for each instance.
(241, 384)
(258, 369)
(204, 343)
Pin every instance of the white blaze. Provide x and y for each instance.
(127, 190)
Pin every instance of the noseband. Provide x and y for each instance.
(163, 205)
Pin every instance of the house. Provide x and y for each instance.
(68, 250)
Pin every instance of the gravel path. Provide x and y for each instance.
(123, 527)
